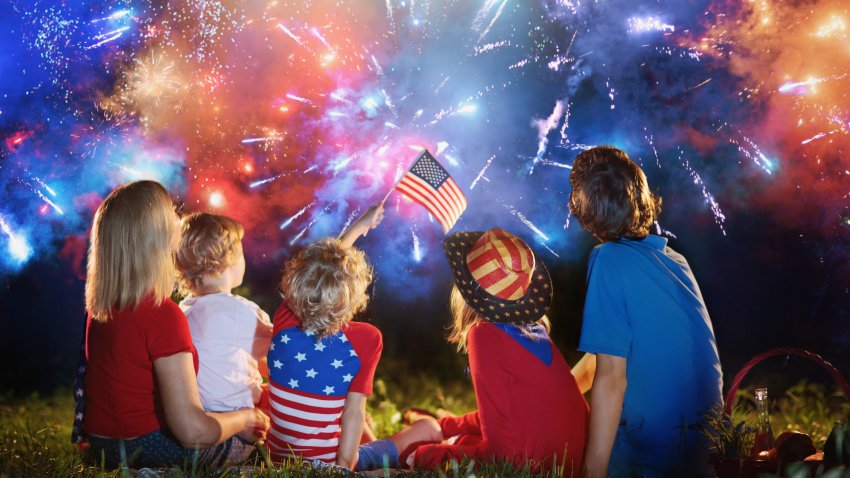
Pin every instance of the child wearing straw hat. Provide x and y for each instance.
(644, 316)
(530, 408)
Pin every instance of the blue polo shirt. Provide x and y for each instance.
(643, 303)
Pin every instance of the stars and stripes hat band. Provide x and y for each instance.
(499, 276)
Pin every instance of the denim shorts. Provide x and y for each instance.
(156, 450)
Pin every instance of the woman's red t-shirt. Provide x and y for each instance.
(122, 396)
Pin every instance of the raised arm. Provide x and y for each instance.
(369, 220)
(351, 425)
(606, 405)
(186, 418)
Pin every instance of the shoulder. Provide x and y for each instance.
(284, 318)
(608, 252)
(363, 334)
(244, 307)
(484, 332)
(166, 310)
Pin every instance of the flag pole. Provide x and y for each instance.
(424, 150)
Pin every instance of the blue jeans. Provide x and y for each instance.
(377, 454)
(156, 450)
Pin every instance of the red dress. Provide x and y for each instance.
(529, 406)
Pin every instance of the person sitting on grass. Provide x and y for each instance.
(321, 364)
(231, 333)
(530, 407)
(142, 407)
(644, 316)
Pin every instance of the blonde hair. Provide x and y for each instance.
(209, 244)
(130, 255)
(325, 285)
(465, 317)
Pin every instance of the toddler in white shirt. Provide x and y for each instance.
(231, 333)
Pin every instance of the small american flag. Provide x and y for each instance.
(429, 184)
(308, 382)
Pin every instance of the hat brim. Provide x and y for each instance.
(527, 309)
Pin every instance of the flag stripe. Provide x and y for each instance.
(441, 196)
(432, 194)
(423, 200)
(452, 195)
(283, 410)
(450, 215)
(429, 184)
(306, 400)
(305, 442)
(299, 428)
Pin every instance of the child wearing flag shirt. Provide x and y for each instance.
(321, 363)
(657, 365)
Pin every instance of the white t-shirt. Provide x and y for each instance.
(231, 334)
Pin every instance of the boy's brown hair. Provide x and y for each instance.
(208, 245)
(610, 196)
(325, 285)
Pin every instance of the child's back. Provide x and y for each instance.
(644, 304)
(658, 369)
(231, 335)
(309, 378)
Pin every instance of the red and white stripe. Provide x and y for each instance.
(445, 203)
(303, 424)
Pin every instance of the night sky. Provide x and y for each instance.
(294, 117)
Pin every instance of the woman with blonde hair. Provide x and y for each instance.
(530, 406)
(142, 407)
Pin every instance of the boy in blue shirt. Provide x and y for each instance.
(644, 316)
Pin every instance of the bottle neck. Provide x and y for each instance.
(762, 409)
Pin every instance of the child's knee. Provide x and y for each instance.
(428, 429)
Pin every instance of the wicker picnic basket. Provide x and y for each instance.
(746, 467)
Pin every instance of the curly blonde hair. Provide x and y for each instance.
(131, 251)
(209, 244)
(325, 285)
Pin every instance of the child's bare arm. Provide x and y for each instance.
(369, 220)
(192, 426)
(351, 429)
(584, 372)
(606, 405)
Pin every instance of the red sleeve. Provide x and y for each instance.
(367, 343)
(462, 425)
(432, 456)
(491, 381)
(284, 318)
(167, 331)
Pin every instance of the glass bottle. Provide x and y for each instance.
(764, 447)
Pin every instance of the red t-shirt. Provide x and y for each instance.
(528, 409)
(122, 396)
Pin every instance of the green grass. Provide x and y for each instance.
(35, 435)
(807, 407)
(35, 430)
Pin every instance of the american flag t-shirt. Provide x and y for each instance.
(429, 184)
(308, 381)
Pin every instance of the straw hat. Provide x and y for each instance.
(499, 276)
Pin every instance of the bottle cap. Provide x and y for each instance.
(761, 394)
